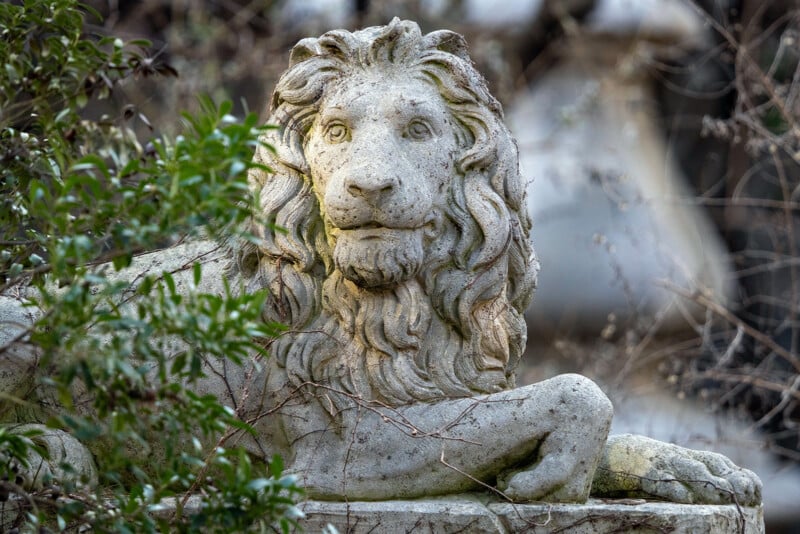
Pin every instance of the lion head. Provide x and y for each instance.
(397, 248)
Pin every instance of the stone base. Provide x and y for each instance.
(476, 514)
(473, 514)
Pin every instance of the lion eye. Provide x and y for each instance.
(336, 133)
(418, 130)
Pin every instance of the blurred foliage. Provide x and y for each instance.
(79, 198)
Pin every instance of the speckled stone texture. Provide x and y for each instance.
(472, 513)
(468, 514)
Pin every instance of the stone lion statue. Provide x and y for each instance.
(396, 249)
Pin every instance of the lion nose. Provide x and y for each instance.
(369, 186)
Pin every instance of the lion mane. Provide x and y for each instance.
(457, 329)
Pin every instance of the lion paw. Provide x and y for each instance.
(637, 466)
(554, 478)
(527, 486)
(66, 459)
(707, 477)
(520, 486)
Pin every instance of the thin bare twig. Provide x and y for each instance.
(703, 300)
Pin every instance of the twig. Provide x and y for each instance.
(723, 312)
(475, 480)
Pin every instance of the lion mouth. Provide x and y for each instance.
(374, 230)
(371, 231)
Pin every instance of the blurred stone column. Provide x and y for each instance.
(613, 216)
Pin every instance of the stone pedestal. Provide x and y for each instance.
(473, 514)
(477, 514)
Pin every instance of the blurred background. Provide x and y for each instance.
(661, 139)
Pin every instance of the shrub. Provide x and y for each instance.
(79, 198)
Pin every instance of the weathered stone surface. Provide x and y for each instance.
(471, 515)
(478, 514)
(451, 514)
(596, 517)
(18, 363)
(638, 466)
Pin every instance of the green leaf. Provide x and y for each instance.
(170, 281)
(178, 363)
(91, 161)
(198, 273)
(276, 466)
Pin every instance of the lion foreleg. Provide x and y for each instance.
(578, 416)
(547, 437)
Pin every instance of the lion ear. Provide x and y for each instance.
(448, 41)
(303, 50)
